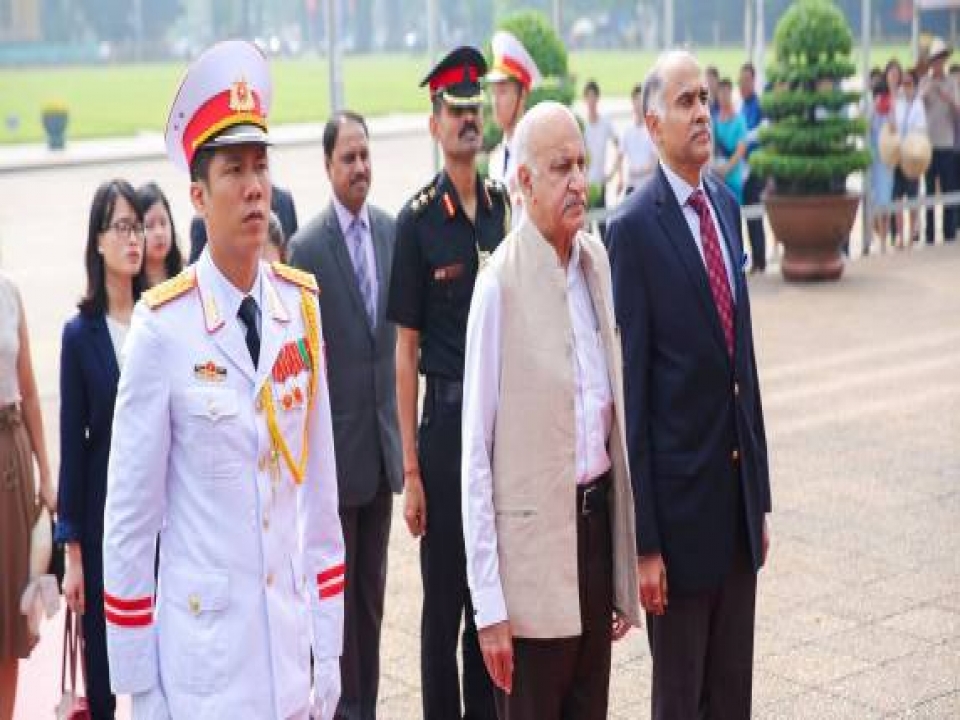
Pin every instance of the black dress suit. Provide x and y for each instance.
(695, 432)
(281, 204)
(363, 403)
(89, 374)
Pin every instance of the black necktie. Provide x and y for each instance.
(248, 314)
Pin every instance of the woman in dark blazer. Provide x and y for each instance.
(89, 371)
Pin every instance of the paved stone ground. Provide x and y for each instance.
(859, 610)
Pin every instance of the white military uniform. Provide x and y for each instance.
(501, 167)
(251, 561)
(511, 61)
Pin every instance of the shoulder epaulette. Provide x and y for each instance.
(171, 289)
(421, 199)
(296, 277)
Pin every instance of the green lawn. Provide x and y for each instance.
(115, 101)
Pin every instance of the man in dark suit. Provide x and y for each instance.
(695, 434)
(349, 247)
(281, 204)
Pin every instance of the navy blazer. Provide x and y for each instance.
(695, 434)
(88, 389)
(281, 204)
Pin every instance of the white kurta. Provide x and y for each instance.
(251, 564)
(593, 413)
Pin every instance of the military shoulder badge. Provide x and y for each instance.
(301, 279)
(170, 289)
(421, 199)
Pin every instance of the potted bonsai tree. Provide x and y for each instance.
(55, 117)
(812, 142)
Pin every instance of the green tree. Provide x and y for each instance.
(811, 144)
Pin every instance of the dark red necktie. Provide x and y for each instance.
(716, 270)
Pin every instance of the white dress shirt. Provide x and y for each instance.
(346, 218)
(118, 335)
(593, 411)
(682, 190)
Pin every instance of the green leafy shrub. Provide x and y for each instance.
(811, 145)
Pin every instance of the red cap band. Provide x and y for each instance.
(451, 76)
(217, 114)
(514, 68)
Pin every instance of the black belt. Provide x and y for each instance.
(592, 497)
(448, 392)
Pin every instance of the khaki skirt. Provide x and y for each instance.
(18, 513)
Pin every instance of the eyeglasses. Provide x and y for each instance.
(124, 228)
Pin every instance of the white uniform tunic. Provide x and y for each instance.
(503, 168)
(251, 564)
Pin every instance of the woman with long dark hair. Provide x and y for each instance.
(89, 370)
(162, 258)
(21, 443)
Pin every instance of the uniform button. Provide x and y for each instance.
(736, 389)
(270, 579)
(735, 455)
(259, 405)
(262, 463)
(266, 522)
(193, 602)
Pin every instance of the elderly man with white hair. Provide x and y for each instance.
(548, 509)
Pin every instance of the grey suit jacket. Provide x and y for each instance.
(360, 360)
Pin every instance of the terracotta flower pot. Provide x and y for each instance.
(813, 229)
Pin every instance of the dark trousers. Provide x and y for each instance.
(752, 190)
(942, 167)
(443, 569)
(102, 702)
(366, 531)
(569, 678)
(702, 648)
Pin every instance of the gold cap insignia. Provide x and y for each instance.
(241, 99)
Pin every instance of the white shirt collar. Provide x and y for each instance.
(682, 190)
(227, 293)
